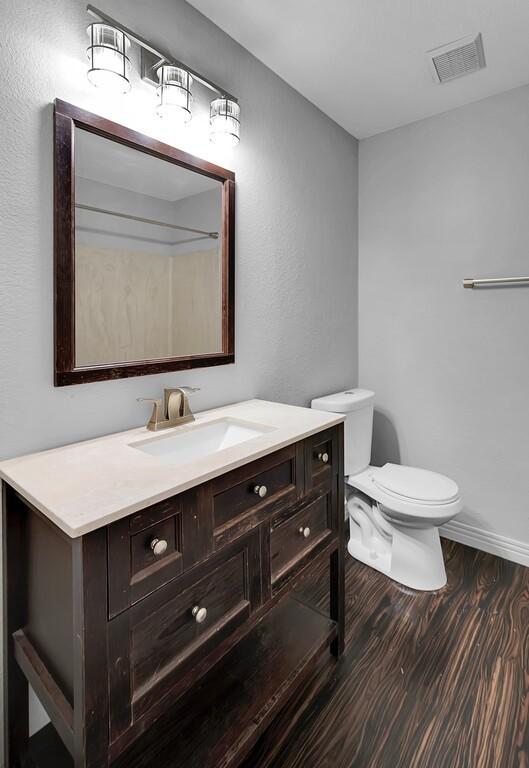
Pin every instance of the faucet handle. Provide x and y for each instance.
(156, 416)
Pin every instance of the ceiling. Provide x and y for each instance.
(363, 63)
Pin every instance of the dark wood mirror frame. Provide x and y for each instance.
(67, 118)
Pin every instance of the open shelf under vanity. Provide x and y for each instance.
(220, 719)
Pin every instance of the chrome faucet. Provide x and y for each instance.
(174, 411)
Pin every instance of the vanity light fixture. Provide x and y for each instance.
(110, 67)
(174, 93)
(224, 122)
(107, 55)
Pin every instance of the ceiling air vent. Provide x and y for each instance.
(462, 57)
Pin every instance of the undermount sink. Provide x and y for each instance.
(200, 440)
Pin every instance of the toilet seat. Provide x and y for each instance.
(419, 486)
(397, 488)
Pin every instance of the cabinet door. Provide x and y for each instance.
(156, 645)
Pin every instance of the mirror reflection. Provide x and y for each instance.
(148, 256)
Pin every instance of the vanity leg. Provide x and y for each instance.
(16, 726)
(338, 557)
(337, 600)
(91, 701)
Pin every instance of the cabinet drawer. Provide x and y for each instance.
(321, 458)
(154, 546)
(144, 552)
(244, 497)
(159, 639)
(291, 541)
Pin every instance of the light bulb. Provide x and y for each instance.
(107, 55)
(174, 94)
(224, 122)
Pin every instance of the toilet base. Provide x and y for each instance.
(410, 556)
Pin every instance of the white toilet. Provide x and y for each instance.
(394, 511)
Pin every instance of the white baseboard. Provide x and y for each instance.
(510, 549)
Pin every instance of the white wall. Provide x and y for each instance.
(296, 255)
(440, 200)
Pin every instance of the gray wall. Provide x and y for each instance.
(296, 224)
(296, 260)
(440, 200)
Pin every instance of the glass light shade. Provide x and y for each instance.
(107, 54)
(224, 122)
(174, 93)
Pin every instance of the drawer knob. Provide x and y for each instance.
(158, 546)
(305, 532)
(323, 457)
(260, 490)
(200, 614)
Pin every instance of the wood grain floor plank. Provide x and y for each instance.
(428, 680)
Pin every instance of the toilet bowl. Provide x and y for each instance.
(394, 511)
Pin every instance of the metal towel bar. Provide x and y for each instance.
(470, 282)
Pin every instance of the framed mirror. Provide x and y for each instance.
(144, 254)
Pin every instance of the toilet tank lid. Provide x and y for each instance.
(343, 402)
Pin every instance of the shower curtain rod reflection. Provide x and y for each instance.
(93, 209)
(139, 238)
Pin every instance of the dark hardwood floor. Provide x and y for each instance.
(427, 681)
(437, 680)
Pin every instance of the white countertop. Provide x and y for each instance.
(84, 486)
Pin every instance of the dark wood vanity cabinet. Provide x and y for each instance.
(174, 635)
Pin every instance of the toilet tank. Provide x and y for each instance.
(357, 406)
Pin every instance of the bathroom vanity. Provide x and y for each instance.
(155, 602)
